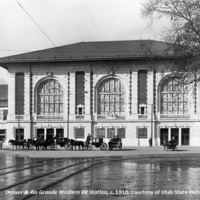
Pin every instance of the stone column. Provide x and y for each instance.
(158, 135)
(65, 97)
(179, 136)
(169, 134)
(11, 97)
(72, 95)
(45, 133)
(134, 95)
(27, 96)
(150, 95)
(87, 96)
(150, 107)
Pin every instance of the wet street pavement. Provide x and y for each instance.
(154, 176)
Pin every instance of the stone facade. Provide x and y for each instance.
(102, 113)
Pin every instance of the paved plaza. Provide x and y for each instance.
(96, 152)
(132, 173)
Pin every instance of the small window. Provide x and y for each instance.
(110, 132)
(142, 132)
(121, 132)
(79, 133)
(142, 109)
(80, 109)
(100, 132)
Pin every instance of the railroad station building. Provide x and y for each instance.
(102, 88)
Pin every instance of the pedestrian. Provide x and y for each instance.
(150, 142)
(88, 139)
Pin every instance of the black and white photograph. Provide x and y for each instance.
(99, 99)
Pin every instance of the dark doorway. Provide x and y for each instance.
(185, 136)
(174, 133)
(163, 135)
(50, 133)
(19, 134)
(59, 135)
(40, 133)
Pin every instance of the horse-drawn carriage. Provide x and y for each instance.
(170, 145)
(19, 144)
(39, 143)
(51, 143)
(97, 142)
(115, 143)
(63, 142)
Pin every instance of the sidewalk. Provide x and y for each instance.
(96, 152)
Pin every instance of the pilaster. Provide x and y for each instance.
(134, 94)
(179, 136)
(87, 96)
(27, 96)
(150, 95)
(72, 95)
(169, 134)
(11, 97)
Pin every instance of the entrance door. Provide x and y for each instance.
(2, 134)
(50, 133)
(59, 135)
(163, 135)
(185, 136)
(19, 134)
(174, 133)
(40, 133)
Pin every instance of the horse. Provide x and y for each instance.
(76, 143)
(33, 142)
(17, 143)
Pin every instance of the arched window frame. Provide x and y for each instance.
(113, 100)
(173, 97)
(50, 98)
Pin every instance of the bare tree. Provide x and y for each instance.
(183, 36)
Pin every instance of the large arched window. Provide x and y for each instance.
(50, 98)
(111, 99)
(174, 97)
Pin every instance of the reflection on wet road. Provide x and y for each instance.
(100, 178)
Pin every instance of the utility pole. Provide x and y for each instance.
(152, 123)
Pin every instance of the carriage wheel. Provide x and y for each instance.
(51, 146)
(85, 146)
(19, 147)
(90, 146)
(42, 147)
(174, 149)
(25, 145)
(68, 146)
(103, 146)
(30, 146)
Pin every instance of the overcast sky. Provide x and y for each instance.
(70, 21)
